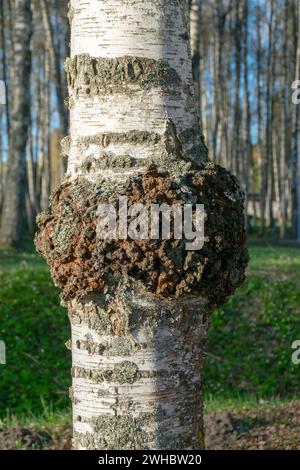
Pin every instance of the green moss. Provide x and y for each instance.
(34, 328)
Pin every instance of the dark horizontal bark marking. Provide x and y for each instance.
(171, 142)
(92, 76)
(127, 372)
(133, 137)
(118, 163)
(124, 372)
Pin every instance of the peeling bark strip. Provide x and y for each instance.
(138, 308)
(92, 76)
(149, 398)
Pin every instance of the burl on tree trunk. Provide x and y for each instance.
(139, 309)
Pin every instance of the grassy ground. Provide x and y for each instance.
(249, 350)
(248, 366)
(34, 327)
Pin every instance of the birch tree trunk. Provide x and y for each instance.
(283, 173)
(55, 62)
(137, 350)
(45, 147)
(4, 64)
(296, 141)
(155, 365)
(195, 31)
(237, 104)
(247, 116)
(269, 157)
(13, 206)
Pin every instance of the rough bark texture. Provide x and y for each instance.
(137, 364)
(138, 309)
(13, 206)
(68, 237)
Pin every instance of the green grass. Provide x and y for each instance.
(247, 402)
(34, 328)
(249, 347)
(46, 418)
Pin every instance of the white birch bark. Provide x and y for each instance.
(139, 388)
(145, 30)
(137, 360)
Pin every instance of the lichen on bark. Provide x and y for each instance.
(125, 372)
(81, 263)
(156, 384)
(173, 150)
(92, 76)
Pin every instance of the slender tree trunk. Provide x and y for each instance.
(4, 64)
(13, 207)
(203, 97)
(237, 104)
(45, 147)
(270, 127)
(260, 129)
(137, 350)
(222, 14)
(296, 142)
(265, 190)
(247, 116)
(32, 206)
(195, 31)
(215, 110)
(283, 128)
(285, 90)
(37, 136)
(55, 60)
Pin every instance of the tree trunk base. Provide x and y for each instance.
(137, 372)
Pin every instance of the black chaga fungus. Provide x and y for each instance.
(81, 263)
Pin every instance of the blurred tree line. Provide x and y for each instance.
(245, 55)
(35, 37)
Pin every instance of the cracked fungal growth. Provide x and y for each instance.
(81, 263)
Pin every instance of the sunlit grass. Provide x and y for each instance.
(249, 348)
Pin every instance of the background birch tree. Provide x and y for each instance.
(296, 139)
(139, 308)
(13, 205)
